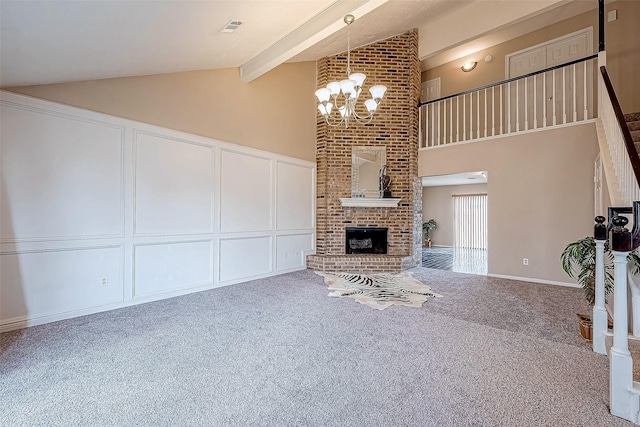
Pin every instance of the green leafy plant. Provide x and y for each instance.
(427, 227)
(579, 262)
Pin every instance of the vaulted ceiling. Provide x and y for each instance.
(62, 40)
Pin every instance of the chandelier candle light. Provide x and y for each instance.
(350, 89)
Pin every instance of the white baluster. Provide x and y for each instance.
(509, 107)
(535, 98)
(564, 96)
(517, 105)
(553, 95)
(544, 100)
(438, 122)
(485, 114)
(433, 126)
(493, 111)
(478, 115)
(457, 118)
(471, 115)
(526, 103)
(584, 98)
(451, 121)
(501, 130)
(464, 117)
(575, 110)
(600, 320)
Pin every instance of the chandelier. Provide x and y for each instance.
(350, 89)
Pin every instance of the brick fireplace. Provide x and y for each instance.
(394, 63)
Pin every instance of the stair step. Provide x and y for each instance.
(635, 135)
(632, 117)
(634, 125)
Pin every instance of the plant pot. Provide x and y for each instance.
(586, 327)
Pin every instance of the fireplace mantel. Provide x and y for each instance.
(369, 202)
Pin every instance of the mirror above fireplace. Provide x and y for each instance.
(366, 164)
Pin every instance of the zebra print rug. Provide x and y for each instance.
(381, 290)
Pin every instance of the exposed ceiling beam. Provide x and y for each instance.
(320, 27)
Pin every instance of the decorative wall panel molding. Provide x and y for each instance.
(99, 212)
(173, 186)
(62, 177)
(291, 251)
(294, 187)
(37, 284)
(246, 187)
(244, 258)
(167, 267)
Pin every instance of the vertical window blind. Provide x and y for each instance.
(470, 221)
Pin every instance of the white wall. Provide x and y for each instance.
(98, 212)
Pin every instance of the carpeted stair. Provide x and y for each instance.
(633, 122)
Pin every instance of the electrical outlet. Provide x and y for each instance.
(525, 261)
(104, 282)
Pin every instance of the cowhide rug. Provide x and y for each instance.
(379, 291)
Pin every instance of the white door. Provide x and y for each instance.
(553, 92)
(527, 62)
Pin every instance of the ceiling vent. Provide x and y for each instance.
(231, 26)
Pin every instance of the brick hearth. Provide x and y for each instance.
(393, 62)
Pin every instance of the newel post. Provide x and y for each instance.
(621, 364)
(600, 317)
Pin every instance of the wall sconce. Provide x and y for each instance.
(469, 66)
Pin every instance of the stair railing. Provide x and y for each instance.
(624, 393)
(622, 151)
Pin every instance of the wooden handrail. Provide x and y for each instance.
(628, 141)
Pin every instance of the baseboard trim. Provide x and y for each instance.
(27, 322)
(542, 281)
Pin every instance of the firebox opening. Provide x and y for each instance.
(366, 240)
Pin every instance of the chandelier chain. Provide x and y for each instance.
(348, 52)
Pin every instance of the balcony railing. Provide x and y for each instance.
(555, 96)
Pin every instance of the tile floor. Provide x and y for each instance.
(459, 260)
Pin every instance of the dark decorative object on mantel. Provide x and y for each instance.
(385, 183)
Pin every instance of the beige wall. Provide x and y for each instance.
(540, 188)
(622, 45)
(275, 112)
(437, 203)
(623, 53)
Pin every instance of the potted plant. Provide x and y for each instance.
(579, 262)
(427, 227)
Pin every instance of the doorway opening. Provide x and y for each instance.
(458, 204)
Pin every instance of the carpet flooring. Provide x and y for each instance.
(280, 352)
